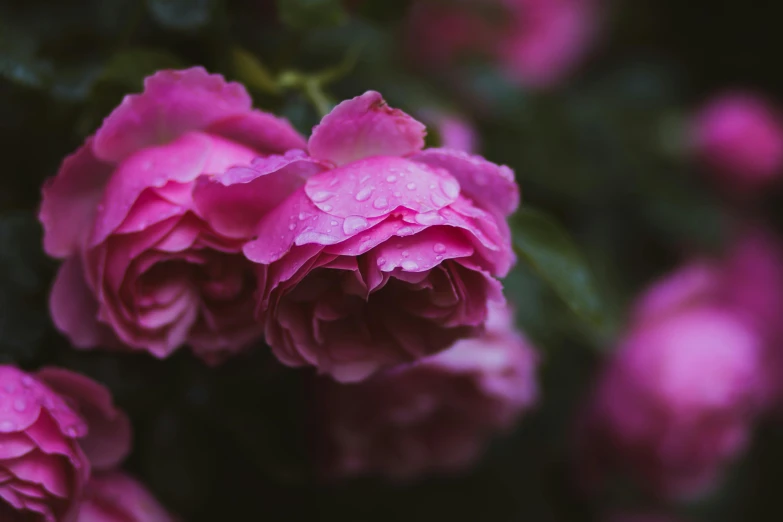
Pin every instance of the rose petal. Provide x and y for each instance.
(490, 186)
(234, 202)
(70, 200)
(377, 186)
(173, 103)
(108, 440)
(363, 127)
(261, 131)
(74, 309)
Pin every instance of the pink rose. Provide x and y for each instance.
(535, 42)
(54, 427)
(145, 266)
(432, 415)
(740, 137)
(116, 497)
(676, 402)
(385, 254)
(454, 131)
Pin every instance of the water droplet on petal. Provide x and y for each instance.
(364, 179)
(405, 253)
(72, 431)
(405, 231)
(439, 248)
(322, 195)
(381, 261)
(7, 426)
(364, 194)
(439, 257)
(411, 186)
(381, 203)
(291, 226)
(450, 187)
(438, 200)
(333, 223)
(27, 381)
(302, 216)
(409, 265)
(354, 224)
(391, 178)
(428, 218)
(327, 208)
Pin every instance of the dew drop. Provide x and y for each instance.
(391, 178)
(428, 218)
(354, 224)
(7, 426)
(291, 226)
(327, 208)
(405, 253)
(20, 404)
(381, 203)
(322, 195)
(409, 265)
(72, 431)
(302, 216)
(439, 248)
(333, 223)
(411, 186)
(450, 188)
(364, 194)
(381, 261)
(439, 257)
(405, 231)
(27, 381)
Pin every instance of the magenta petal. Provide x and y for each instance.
(70, 200)
(14, 445)
(113, 494)
(173, 102)
(377, 186)
(108, 439)
(363, 127)
(234, 202)
(38, 468)
(422, 251)
(261, 131)
(74, 308)
(490, 186)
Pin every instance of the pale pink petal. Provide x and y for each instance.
(490, 186)
(364, 127)
(173, 103)
(376, 187)
(70, 200)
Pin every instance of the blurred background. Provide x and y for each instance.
(643, 135)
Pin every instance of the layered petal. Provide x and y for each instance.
(364, 127)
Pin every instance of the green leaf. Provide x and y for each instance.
(183, 15)
(250, 71)
(552, 254)
(311, 14)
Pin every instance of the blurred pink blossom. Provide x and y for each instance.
(116, 497)
(433, 415)
(677, 400)
(535, 42)
(739, 136)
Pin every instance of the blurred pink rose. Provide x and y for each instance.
(116, 497)
(54, 426)
(144, 263)
(454, 131)
(740, 137)
(385, 255)
(535, 42)
(433, 415)
(676, 403)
